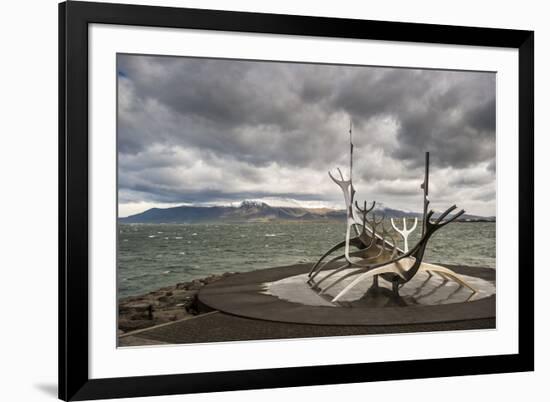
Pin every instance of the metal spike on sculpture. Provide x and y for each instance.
(376, 253)
(405, 232)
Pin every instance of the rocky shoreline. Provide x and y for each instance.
(170, 303)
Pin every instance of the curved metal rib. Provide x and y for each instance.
(339, 257)
(383, 247)
(377, 271)
(333, 249)
(358, 271)
(317, 267)
(361, 235)
(449, 273)
(348, 265)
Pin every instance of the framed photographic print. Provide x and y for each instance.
(258, 200)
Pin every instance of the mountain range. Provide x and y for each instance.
(254, 211)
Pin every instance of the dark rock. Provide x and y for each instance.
(212, 278)
(132, 325)
(165, 304)
(195, 285)
(136, 306)
(192, 306)
(139, 316)
(185, 298)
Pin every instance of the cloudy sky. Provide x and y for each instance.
(206, 131)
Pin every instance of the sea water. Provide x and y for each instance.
(151, 256)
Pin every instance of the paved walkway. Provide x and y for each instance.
(219, 327)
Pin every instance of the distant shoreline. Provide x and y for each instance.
(262, 212)
(328, 220)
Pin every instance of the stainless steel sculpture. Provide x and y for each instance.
(404, 232)
(377, 253)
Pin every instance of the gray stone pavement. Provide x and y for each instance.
(220, 327)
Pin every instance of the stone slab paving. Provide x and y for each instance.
(220, 327)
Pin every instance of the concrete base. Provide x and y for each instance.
(245, 295)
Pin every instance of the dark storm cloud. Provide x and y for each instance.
(228, 107)
(452, 113)
(238, 124)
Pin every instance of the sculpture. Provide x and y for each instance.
(404, 232)
(377, 254)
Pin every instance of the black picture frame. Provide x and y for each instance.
(74, 18)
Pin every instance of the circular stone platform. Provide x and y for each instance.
(280, 294)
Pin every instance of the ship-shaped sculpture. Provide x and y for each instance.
(371, 252)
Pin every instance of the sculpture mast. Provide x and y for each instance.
(352, 190)
(425, 186)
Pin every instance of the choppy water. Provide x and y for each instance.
(151, 256)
